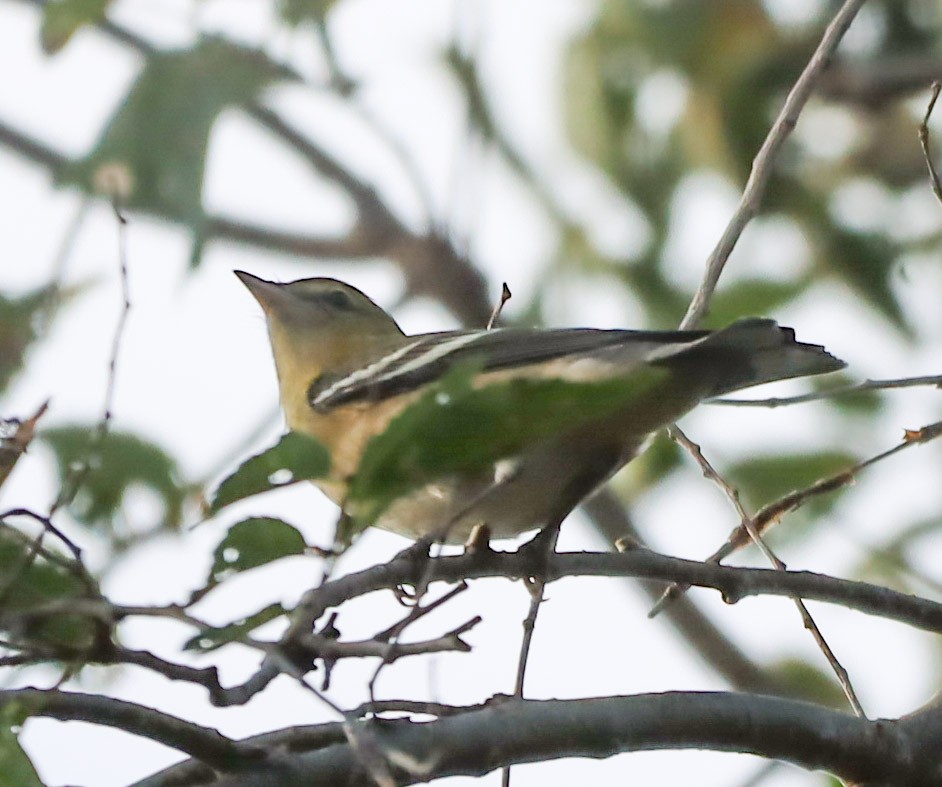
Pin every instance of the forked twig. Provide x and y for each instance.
(773, 512)
(748, 524)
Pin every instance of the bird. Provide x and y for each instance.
(346, 370)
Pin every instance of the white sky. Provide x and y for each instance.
(195, 375)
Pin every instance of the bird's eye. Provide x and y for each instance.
(338, 299)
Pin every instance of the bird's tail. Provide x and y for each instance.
(755, 351)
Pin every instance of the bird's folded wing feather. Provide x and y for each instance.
(425, 358)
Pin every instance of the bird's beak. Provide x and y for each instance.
(270, 295)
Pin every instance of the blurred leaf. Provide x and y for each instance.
(15, 765)
(750, 298)
(763, 479)
(455, 429)
(254, 542)
(30, 581)
(296, 12)
(61, 18)
(803, 681)
(465, 71)
(210, 639)
(866, 403)
(118, 462)
(20, 324)
(154, 148)
(650, 468)
(866, 262)
(296, 457)
(894, 561)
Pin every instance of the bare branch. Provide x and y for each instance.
(762, 164)
(15, 437)
(520, 731)
(76, 475)
(770, 514)
(773, 512)
(746, 522)
(924, 141)
(733, 582)
(847, 390)
(202, 743)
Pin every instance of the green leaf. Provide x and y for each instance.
(455, 429)
(15, 765)
(750, 298)
(155, 145)
(117, 462)
(763, 479)
(254, 542)
(866, 261)
(296, 12)
(210, 639)
(803, 681)
(296, 456)
(20, 324)
(62, 18)
(865, 403)
(29, 581)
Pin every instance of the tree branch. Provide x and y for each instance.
(762, 164)
(846, 390)
(517, 731)
(201, 743)
(734, 583)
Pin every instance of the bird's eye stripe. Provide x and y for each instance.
(338, 299)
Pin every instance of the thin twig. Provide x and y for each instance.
(748, 524)
(924, 141)
(546, 541)
(847, 390)
(505, 296)
(709, 472)
(773, 512)
(13, 446)
(76, 476)
(762, 164)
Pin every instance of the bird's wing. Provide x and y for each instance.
(427, 357)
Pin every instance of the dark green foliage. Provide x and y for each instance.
(297, 457)
(15, 766)
(62, 18)
(28, 582)
(211, 638)
(116, 462)
(254, 542)
(20, 325)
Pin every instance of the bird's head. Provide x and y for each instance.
(318, 304)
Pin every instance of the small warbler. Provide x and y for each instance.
(345, 370)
